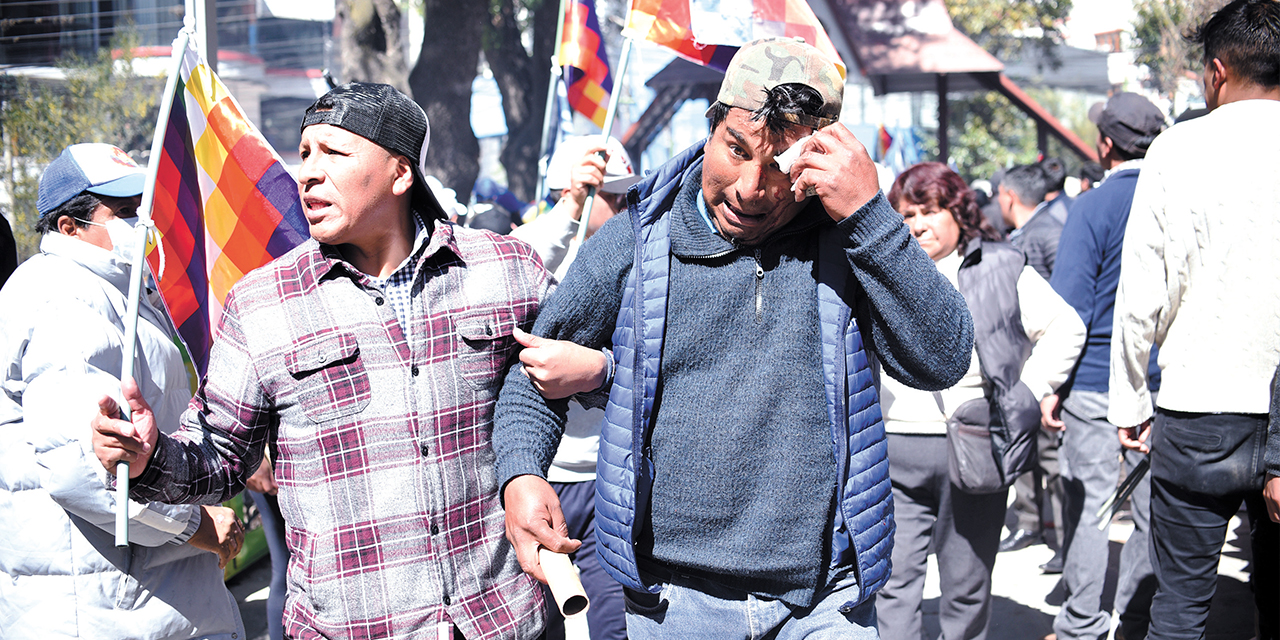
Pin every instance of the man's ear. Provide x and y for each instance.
(1105, 145)
(404, 177)
(67, 226)
(1219, 72)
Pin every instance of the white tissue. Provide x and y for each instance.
(788, 158)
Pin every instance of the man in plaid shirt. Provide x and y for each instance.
(369, 358)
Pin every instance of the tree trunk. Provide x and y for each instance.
(441, 83)
(371, 43)
(522, 79)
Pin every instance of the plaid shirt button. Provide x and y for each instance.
(378, 301)
(435, 531)
(425, 450)
(414, 370)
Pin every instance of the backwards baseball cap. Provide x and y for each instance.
(382, 115)
(619, 173)
(1130, 120)
(100, 169)
(761, 65)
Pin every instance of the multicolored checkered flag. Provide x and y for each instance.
(709, 32)
(582, 54)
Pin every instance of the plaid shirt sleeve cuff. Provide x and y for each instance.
(143, 488)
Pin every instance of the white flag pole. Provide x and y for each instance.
(552, 89)
(585, 217)
(141, 230)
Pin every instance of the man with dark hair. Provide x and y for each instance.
(743, 483)
(1055, 176)
(1034, 231)
(1198, 280)
(368, 359)
(1038, 494)
(1091, 173)
(1086, 276)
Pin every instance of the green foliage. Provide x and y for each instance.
(1003, 27)
(100, 100)
(987, 132)
(1158, 29)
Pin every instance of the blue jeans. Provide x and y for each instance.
(691, 607)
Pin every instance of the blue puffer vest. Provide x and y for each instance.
(863, 522)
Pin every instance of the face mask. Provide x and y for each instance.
(121, 232)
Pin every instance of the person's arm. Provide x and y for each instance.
(1055, 330)
(223, 435)
(527, 426)
(1143, 298)
(55, 404)
(1271, 456)
(57, 345)
(920, 326)
(549, 234)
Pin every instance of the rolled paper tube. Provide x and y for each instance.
(562, 577)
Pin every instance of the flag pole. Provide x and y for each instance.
(552, 85)
(585, 217)
(141, 231)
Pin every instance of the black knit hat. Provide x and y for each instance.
(381, 114)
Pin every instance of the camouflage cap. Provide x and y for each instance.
(764, 64)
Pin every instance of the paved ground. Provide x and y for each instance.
(1025, 600)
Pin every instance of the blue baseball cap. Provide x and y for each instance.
(100, 169)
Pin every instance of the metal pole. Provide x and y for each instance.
(552, 87)
(944, 116)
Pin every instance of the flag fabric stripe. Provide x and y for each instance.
(669, 23)
(582, 53)
(224, 205)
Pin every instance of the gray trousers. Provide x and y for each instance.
(1091, 454)
(1037, 500)
(965, 533)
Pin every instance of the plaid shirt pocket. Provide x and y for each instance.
(485, 344)
(332, 382)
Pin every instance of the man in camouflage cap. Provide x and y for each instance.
(743, 485)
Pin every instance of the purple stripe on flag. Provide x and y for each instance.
(195, 330)
(281, 190)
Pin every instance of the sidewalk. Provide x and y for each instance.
(1023, 609)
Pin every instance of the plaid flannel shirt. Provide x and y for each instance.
(381, 444)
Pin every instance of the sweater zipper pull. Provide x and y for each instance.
(759, 288)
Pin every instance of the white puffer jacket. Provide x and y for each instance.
(61, 344)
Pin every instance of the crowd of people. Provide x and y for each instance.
(751, 405)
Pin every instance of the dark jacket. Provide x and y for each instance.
(1038, 240)
(988, 279)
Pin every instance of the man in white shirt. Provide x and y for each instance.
(1198, 279)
